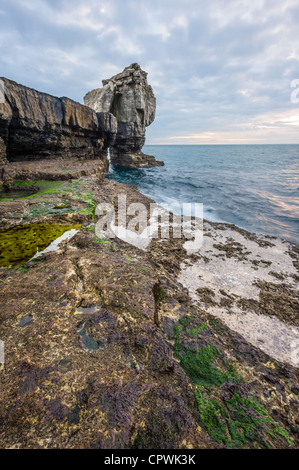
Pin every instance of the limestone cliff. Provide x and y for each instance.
(130, 98)
(35, 125)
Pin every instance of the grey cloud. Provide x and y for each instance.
(213, 64)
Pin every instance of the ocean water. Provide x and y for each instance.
(255, 187)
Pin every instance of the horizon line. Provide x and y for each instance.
(184, 145)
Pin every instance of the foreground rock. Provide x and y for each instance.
(86, 365)
(131, 100)
(35, 125)
(50, 170)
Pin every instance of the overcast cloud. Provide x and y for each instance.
(221, 70)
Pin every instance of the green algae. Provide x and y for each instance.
(195, 331)
(90, 203)
(90, 228)
(15, 194)
(23, 270)
(240, 422)
(19, 244)
(199, 366)
(102, 241)
(234, 419)
(39, 188)
(69, 192)
(197, 363)
(43, 210)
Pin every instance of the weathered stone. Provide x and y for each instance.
(94, 371)
(3, 159)
(131, 100)
(25, 321)
(35, 125)
(48, 169)
(108, 125)
(133, 160)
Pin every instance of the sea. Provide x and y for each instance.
(255, 187)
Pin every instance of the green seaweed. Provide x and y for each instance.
(19, 244)
(102, 241)
(90, 228)
(44, 187)
(240, 421)
(199, 366)
(88, 199)
(235, 421)
(211, 414)
(23, 270)
(186, 320)
(41, 210)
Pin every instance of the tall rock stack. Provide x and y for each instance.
(131, 100)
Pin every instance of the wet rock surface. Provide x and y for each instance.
(93, 369)
(131, 100)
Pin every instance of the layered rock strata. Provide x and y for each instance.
(130, 98)
(35, 125)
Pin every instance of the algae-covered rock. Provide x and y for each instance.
(86, 366)
(19, 244)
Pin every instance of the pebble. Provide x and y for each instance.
(26, 321)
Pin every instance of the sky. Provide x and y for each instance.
(223, 71)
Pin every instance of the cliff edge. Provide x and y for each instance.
(37, 126)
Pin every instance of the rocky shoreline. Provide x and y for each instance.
(38, 126)
(87, 366)
(106, 345)
(251, 283)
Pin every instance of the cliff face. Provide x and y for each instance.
(3, 159)
(131, 100)
(36, 125)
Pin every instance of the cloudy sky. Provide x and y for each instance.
(221, 69)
